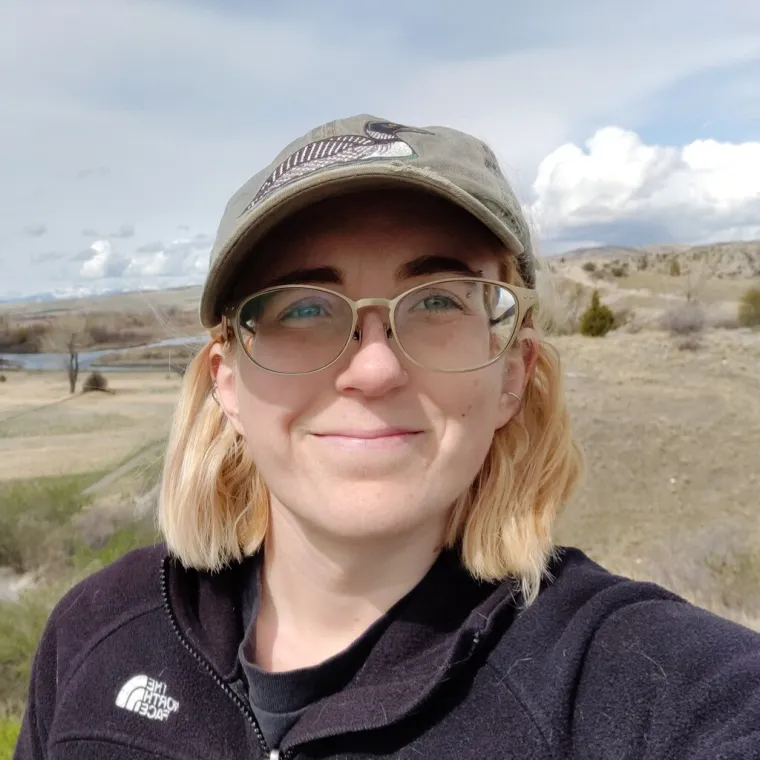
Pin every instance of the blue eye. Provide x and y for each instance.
(438, 303)
(304, 311)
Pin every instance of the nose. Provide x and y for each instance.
(374, 368)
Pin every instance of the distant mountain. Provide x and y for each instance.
(67, 294)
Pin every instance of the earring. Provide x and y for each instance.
(519, 400)
(214, 394)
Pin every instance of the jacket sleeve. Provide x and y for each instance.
(667, 680)
(40, 704)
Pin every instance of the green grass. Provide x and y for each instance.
(125, 539)
(9, 730)
(34, 515)
(21, 624)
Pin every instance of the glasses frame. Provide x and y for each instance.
(525, 299)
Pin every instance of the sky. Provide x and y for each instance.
(127, 124)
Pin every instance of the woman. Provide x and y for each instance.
(365, 465)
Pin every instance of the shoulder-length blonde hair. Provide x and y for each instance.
(214, 507)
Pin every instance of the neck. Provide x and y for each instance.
(319, 594)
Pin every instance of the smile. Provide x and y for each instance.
(370, 439)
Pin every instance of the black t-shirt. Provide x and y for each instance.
(279, 699)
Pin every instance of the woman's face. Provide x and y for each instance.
(373, 446)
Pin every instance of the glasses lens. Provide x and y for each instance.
(457, 325)
(295, 330)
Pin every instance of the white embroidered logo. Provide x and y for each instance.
(147, 697)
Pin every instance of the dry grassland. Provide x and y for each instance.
(672, 440)
(46, 431)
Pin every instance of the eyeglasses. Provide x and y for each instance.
(450, 325)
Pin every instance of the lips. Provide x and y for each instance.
(368, 434)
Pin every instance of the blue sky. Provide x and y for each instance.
(128, 123)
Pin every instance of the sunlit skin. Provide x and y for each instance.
(365, 458)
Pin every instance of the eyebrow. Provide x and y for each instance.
(416, 268)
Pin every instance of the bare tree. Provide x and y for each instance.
(66, 337)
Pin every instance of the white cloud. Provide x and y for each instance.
(704, 190)
(104, 263)
(155, 111)
(183, 257)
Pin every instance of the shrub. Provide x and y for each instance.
(598, 319)
(95, 381)
(618, 270)
(3, 378)
(690, 343)
(33, 515)
(675, 268)
(749, 307)
(21, 625)
(686, 319)
(589, 266)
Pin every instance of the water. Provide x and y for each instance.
(57, 362)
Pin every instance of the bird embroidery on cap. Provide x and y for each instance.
(380, 140)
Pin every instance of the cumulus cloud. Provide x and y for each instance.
(114, 85)
(182, 257)
(618, 189)
(155, 247)
(104, 262)
(35, 230)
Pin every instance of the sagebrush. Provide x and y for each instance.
(749, 308)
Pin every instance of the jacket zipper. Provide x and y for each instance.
(273, 754)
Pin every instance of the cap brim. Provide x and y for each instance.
(320, 186)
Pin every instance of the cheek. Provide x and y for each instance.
(271, 404)
(472, 401)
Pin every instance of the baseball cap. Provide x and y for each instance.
(358, 153)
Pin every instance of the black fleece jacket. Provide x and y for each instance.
(140, 661)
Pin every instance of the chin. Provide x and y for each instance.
(368, 510)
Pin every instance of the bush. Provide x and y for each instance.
(598, 319)
(95, 381)
(589, 266)
(618, 270)
(33, 515)
(685, 319)
(675, 268)
(21, 625)
(749, 308)
(3, 378)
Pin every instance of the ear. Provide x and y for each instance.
(518, 371)
(222, 369)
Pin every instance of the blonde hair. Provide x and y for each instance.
(214, 507)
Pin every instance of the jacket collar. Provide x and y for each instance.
(433, 633)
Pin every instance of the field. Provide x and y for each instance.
(671, 438)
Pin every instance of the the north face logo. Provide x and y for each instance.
(147, 697)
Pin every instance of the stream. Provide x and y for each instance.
(56, 362)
